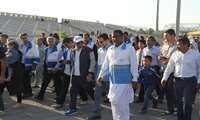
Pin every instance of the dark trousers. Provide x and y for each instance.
(64, 90)
(47, 79)
(148, 90)
(1, 96)
(159, 89)
(98, 95)
(141, 93)
(81, 86)
(185, 92)
(27, 90)
(170, 93)
(18, 91)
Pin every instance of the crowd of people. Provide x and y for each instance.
(116, 68)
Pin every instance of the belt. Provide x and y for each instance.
(184, 78)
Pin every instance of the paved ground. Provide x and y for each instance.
(35, 110)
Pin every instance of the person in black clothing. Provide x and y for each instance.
(15, 68)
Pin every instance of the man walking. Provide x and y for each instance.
(120, 64)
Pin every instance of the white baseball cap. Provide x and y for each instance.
(78, 39)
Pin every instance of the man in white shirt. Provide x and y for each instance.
(166, 51)
(121, 66)
(185, 63)
(104, 46)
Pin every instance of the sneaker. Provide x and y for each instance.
(94, 117)
(70, 112)
(57, 106)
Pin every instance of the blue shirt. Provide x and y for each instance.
(148, 76)
(12, 56)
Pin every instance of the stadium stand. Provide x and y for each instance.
(13, 24)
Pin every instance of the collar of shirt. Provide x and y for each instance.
(107, 46)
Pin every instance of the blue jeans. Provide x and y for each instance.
(185, 92)
(147, 95)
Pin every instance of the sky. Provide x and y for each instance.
(139, 13)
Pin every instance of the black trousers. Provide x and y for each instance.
(81, 86)
(170, 93)
(64, 90)
(141, 93)
(185, 92)
(27, 90)
(48, 76)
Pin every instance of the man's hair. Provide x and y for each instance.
(171, 32)
(119, 32)
(104, 36)
(87, 33)
(142, 41)
(13, 43)
(67, 40)
(55, 35)
(184, 40)
(152, 38)
(148, 57)
(125, 33)
(4, 36)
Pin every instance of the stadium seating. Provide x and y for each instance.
(14, 24)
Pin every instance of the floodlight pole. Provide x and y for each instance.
(178, 17)
(157, 15)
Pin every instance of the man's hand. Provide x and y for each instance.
(134, 85)
(163, 83)
(89, 77)
(98, 82)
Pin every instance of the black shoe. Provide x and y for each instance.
(39, 98)
(94, 117)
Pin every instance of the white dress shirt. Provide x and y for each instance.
(67, 70)
(154, 53)
(184, 65)
(140, 56)
(77, 63)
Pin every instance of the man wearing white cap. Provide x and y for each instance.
(83, 67)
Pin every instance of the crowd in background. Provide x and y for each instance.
(75, 63)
